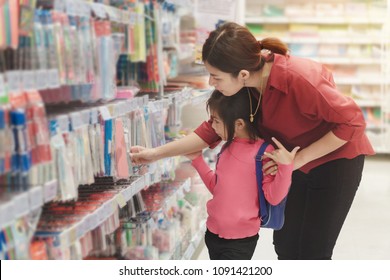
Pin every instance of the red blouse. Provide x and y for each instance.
(301, 104)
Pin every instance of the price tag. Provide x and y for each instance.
(105, 113)
(110, 207)
(85, 10)
(63, 123)
(133, 18)
(80, 229)
(7, 215)
(72, 8)
(132, 105)
(87, 223)
(99, 10)
(50, 190)
(75, 120)
(140, 18)
(120, 200)
(139, 185)
(2, 86)
(59, 5)
(125, 17)
(86, 117)
(36, 197)
(152, 107)
(123, 108)
(54, 78)
(21, 204)
(147, 179)
(28, 80)
(94, 116)
(64, 238)
(127, 194)
(41, 79)
(72, 235)
(100, 215)
(113, 13)
(114, 206)
(94, 220)
(14, 81)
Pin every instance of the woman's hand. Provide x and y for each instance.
(279, 156)
(193, 156)
(141, 155)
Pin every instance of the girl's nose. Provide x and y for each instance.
(211, 81)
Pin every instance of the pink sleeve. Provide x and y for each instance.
(208, 176)
(207, 133)
(276, 187)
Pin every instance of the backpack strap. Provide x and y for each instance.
(259, 177)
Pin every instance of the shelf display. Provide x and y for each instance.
(68, 117)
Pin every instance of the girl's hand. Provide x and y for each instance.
(194, 155)
(141, 155)
(281, 155)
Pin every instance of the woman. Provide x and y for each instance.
(298, 104)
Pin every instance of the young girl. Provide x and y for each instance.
(233, 222)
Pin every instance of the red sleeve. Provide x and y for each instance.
(207, 133)
(208, 176)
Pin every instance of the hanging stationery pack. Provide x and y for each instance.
(271, 216)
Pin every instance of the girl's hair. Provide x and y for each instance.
(232, 48)
(232, 108)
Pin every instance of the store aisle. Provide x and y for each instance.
(365, 235)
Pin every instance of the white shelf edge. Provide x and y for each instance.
(315, 20)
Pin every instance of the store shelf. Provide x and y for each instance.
(92, 118)
(359, 80)
(368, 103)
(350, 37)
(195, 242)
(316, 20)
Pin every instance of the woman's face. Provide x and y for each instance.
(222, 81)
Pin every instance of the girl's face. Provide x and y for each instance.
(218, 126)
(222, 81)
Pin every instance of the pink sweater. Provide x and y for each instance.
(233, 210)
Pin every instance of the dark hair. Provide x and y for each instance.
(232, 48)
(232, 108)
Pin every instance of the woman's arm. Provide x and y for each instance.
(323, 146)
(186, 145)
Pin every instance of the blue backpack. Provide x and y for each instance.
(271, 216)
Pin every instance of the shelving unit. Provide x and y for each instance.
(351, 37)
(74, 197)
